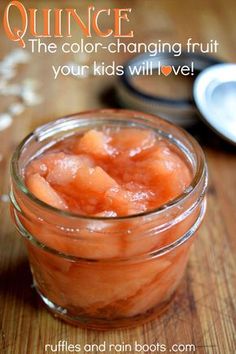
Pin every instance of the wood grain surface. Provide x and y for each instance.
(203, 311)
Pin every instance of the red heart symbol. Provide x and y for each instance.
(166, 69)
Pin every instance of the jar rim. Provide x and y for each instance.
(197, 178)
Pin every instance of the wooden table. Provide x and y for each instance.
(203, 311)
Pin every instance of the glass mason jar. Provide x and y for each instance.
(100, 272)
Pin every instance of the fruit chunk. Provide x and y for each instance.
(165, 173)
(94, 180)
(43, 191)
(58, 167)
(95, 143)
(37, 166)
(133, 141)
(65, 169)
(123, 202)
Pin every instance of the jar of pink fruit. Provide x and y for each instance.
(108, 203)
